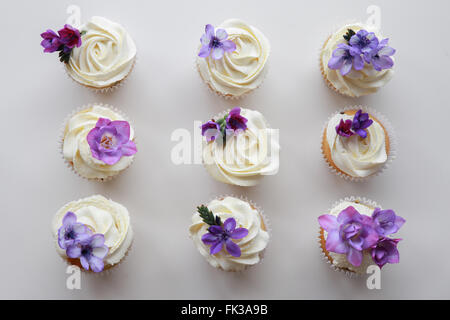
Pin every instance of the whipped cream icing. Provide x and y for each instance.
(353, 155)
(76, 149)
(252, 246)
(247, 156)
(242, 70)
(106, 55)
(356, 83)
(340, 260)
(101, 216)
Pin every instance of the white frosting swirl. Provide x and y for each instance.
(242, 70)
(340, 260)
(76, 149)
(353, 155)
(246, 156)
(102, 216)
(106, 55)
(355, 83)
(252, 246)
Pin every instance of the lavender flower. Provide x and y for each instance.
(350, 233)
(215, 44)
(380, 57)
(385, 251)
(110, 141)
(364, 41)
(66, 39)
(386, 221)
(210, 130)
(71, 231)
(235, 121)
(345, 57)
(51, 42)
(91, 252)
(69, 37)
(361, 122)
(343, 129)
(220, 235)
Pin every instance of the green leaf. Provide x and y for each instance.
(82, 33)
(350, 33)
(208, 217)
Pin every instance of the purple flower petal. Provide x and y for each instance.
(239, 233)
(100, 252)
(217, 53)
(128, 148)
(336, 62)
(233, 248)
(221, 34)
(358, 62)
(96, 264)
(73, 252)
(215, 229)
(210, 239)
(328, 222)
(216, 247)
(347, 215)
(346, 67)
(229, 225)
(354, 257)
(84, 263)
(69, 219)
(228, 46)
(334, 243)
(209, 31)
(204, 51)
(362, 133)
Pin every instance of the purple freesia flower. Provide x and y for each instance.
(361, 122)
(380, 57)
(235, 121)
(345, 57)
(215, 44)
(69, 37)
(110, 141)
(91, 252)
(350, 233)
(344, 128)
(385, 251)
(51, 42)
(386, 221)
(210, 130)
(220, 235)
(71, 231)
(365, 41)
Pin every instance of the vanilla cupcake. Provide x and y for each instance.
(98, 143)
(355, 234)
(357, 145)
(93, 233)
(232, 60)
(230, 233)
(106, 56)
(239, 147)
(356, 61)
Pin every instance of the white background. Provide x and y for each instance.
(164, 92)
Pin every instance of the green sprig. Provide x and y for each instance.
(208, 217)
(350, 33)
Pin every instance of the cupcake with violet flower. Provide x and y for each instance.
(357, 145)
(356, 61)
(230, 233)
(93, 233)
(98, 142)
(99, 55)
(357, 233)
(239, 148)
(232, 59)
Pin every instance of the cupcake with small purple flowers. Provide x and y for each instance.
(356, 233)
(356, 61)
(93, 233)
(232, 59)
(98, 142)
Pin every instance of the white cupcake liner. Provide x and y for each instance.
(362, 200)
(61, 139)
(266, 223)
(393, 142)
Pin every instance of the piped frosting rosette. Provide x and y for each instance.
(231, 233)
(232, 60)
(239, 147)
(93, 233)
(356, 60)
(356, 233)
(358, 143)
(97, 142)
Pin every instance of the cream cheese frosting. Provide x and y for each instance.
(356, 83)
(106, 55)
(252, 246)
(242, 70)
(247, 156)
(353, 155)
(76, 149)
(101, 216)
(340, 260)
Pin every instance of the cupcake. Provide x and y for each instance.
(232, 59)
(93, 233)
(239, 148)
(356, 233)
(356, 61)
(98, 143)
(356, 144)
(99, 55)
(230, 233)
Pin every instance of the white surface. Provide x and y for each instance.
(164, 92)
